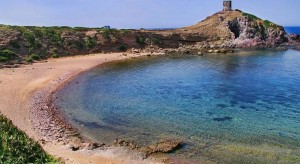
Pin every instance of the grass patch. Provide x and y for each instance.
(269, 24)
(251, 17)
(16, 147)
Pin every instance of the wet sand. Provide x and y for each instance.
(19, 85)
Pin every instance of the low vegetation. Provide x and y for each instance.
(269, 24)
(90, 42)
(251, 17)
(155, 40)
(140, 40)
(55, 56)
(122, 48)
(6, 55)
(16, 147)
(266, 23)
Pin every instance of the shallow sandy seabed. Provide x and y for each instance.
(17, 86)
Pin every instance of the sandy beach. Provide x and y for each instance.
(18, 85)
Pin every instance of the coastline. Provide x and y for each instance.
(25, 100)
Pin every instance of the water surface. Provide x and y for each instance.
(243, 107)
(293, 29)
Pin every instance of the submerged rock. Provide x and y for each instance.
(163, 146)
(93, 145)
(221, 119)
(73, 147)
(121, 143)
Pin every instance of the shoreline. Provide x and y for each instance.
(29, 90)
(26, 100)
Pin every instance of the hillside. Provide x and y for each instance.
(222, 30)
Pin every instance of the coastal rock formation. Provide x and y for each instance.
(239, 29)
(294, 37)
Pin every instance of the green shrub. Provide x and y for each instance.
(34, 57)
(55, 56)
(15, 44)
(7, 55)
(122, 48)
(29, 60)
(140, 40)
(53, 35)
(3, 59)
(90, 42)
(29, 37)
(79, 44)
(106, 34)
(38, 32)
(16, 147)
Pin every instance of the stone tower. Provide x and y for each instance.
(227, 5)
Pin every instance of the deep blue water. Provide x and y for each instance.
(293, 29)
(216, 104)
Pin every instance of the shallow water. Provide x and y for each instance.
(236, 108)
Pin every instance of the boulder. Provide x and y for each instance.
(295, 37)
(217, 51)
(124, 143)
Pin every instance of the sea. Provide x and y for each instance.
(234, 108)
(293, 29)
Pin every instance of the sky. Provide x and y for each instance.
(137, 13)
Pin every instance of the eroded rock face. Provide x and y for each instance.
(238, 29)
(249, 33)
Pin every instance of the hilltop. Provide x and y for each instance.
(223, 30)
(232, 29)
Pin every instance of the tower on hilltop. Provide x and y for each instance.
(227, 5)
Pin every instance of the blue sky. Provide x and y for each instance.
(137, 13)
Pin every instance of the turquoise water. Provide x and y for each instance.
(216, 104)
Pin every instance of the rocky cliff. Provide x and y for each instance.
(239, 29)
(222, 30)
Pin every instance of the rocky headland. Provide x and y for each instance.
(219, 33)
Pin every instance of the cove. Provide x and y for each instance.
(231, 108)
